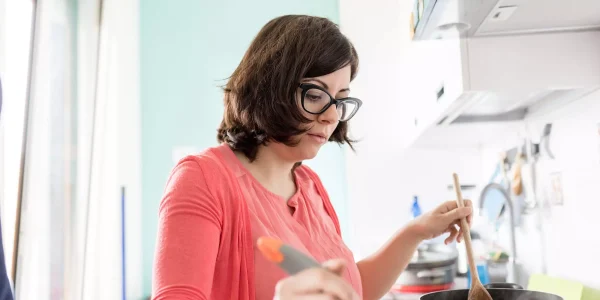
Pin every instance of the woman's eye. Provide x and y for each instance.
(312, 97)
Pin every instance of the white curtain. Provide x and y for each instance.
(15, 29)
(67, 249)
(116, 148)
(47, 179)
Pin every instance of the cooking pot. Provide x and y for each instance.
(432, 268)
(498, 291)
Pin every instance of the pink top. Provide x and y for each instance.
(206, 245)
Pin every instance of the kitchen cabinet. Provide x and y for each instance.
(475, 91)
(430, 19)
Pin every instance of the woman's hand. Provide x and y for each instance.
(316, 284)
(445, 218)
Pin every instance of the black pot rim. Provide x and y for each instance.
(520, 290)
(503, 285)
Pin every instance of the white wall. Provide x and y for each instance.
(359, 20)
(384, 185)
(570, 239)
(382, 175)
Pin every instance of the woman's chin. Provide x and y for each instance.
(310, 151)
(310, 156)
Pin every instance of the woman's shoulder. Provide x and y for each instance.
(208, 160)
(207, 168)
(201, 181)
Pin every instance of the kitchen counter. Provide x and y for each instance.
(459, 283)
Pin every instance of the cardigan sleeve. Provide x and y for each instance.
(189, 228)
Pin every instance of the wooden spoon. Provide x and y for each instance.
(477, 292)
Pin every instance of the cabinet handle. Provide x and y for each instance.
(440, 93)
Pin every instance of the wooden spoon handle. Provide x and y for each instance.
(466, 233)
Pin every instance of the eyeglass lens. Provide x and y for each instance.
(316, 100)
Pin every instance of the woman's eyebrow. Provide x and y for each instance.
(319, 81)
(326, 86)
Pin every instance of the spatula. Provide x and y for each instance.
(477, 291)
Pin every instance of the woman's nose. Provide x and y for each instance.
(330, 115)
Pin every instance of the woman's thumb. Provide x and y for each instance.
(336, 266)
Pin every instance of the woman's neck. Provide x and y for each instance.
(272, 171)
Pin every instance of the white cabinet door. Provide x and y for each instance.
(439, 80)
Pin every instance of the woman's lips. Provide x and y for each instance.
(318, 138)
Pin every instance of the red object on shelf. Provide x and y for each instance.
(421, 288)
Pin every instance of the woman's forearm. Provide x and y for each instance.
(380, 270)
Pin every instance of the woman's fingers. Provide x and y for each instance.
(316, 281)
(329, 283)
(455, 214)
(336, 266)
(470, 219)
(469, 203)
(458, 214)
(452, 211)
(453, 233)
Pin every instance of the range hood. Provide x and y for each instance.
(431, 18)
(499, 79)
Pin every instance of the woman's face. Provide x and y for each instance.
(322, 125)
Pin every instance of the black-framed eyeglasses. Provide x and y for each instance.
(316, 100)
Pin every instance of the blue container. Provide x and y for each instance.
(484, 275)
(415, 208)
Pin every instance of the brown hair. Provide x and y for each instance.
(260, 96)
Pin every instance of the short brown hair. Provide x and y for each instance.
(260, 96)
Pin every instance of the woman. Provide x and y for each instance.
(286, 99)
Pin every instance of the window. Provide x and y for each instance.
(47, 186)
(15, 32)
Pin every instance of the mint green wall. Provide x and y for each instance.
(187, 48)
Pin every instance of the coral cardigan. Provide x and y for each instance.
(205, 187)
